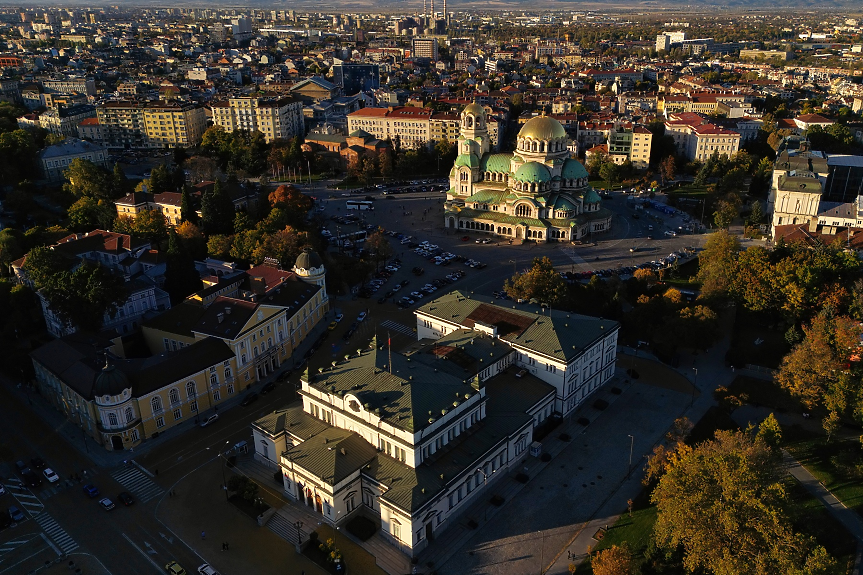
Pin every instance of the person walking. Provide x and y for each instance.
(203, 534)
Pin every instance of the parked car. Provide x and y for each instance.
(91, 490)
(15, 514)
(285, 375)
(125, 499)
(521, 373)
(361, 316)
(206, 569)
(209, 419)
(249, 399)
(50, 475)
(30, 478)
(174, 568)
(333, 325)
(268, 387)
(106, 504)
(339, 317)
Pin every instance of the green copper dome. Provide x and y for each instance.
(542, 128)
(469, 160)
(573, 170)
(591, 197)
(532, 172)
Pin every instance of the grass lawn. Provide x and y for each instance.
(690, 191)
(635, 532)
(838, 465)
(811, 518)
(768, 393)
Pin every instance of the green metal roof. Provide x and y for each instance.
(591, 197)
(487, 197)
(497, 163)
(532, 172)
(469, 160)
(573, 170)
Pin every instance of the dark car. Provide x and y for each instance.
(268, 387)
(250, 398)
(16, 515)
(126, 499)
(5, 521)
(91, 490)
(38, 464)
(21, 466)
(285, 375)
(31, 479)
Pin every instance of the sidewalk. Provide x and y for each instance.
(848, 518)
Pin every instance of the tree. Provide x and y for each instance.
(379, 247)
(181, 277)
(243, 222)
(219, 246)
(120, 184)
(667, 168)
(294, 204)
(716, 263)
(756, 213)
(89, 213)
(150, 224)
(541, 282)
(86, 179)
(612, 561)
(193, 240)
(610, 172)
(84, 296)
(284, 245)
(770, 432)
(723, 503)
(385, 161)
(646, 275)
(187, 209)
(10, 247)
(816, 369)
(668, 453)
(217, 210)
(724, 214)
(161, 180)
(42, 264)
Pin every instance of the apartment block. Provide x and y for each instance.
(172, 124)
(698, 139)
(630, 143)
(275, 118)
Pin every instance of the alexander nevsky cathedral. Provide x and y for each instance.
(536, 193)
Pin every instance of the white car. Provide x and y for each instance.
(209, 419)
(50, 475)
(106, 504)
(206, 569)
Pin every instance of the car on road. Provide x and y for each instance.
(466, 238)
(268, 387)
(50, 475)
(285, 375)
(91, 490)
(339, 317)
(361, 316)
(15, 514)
(21, 466)
(30, 478)
(174, 568)
(209, 419)
(333, 325)
(126, 499)
(206, 569)
(2, 490)
(106, 504)
(521, 373)
(249, 399)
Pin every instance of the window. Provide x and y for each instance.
(178, 414)
(112, 420)
(130, 415)
(227, 374)
(216, 396)
(350, 505)
(160, 422)
(190, 389)
(175, 396)
(231, 387)
(214, 379)
(397, 530)
(134, 435)
(193, 406)
(156, 403)
(368, 498)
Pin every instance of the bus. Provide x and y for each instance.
(360, 205)
(349, 240)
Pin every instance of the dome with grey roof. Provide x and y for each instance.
(309, 259)
(111, 381)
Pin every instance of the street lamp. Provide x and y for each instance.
(224, 480)
(694, 386)
(631, 445)
(484, 484)
(299, 525)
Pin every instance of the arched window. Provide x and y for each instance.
(112, 420)
(227, 373)
(214, 379)
(542, 146)
(523, 210)
(190, 389)
(468, 122)
(174, 396)
(533, 147)
(156, 403)
(130, 415)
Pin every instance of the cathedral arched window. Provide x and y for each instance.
(523, 210)
(533, 147)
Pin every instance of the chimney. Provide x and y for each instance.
(813, 225)
(220, 317)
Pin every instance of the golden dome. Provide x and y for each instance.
(474, 108)
(542, 128)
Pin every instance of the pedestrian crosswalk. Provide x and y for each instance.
(56, 533)
(138, 484)
(396, 326)
(8, 546)
(29, 502)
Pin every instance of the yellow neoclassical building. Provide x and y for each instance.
(120, 402)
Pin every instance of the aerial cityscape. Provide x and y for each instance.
(431, 288)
